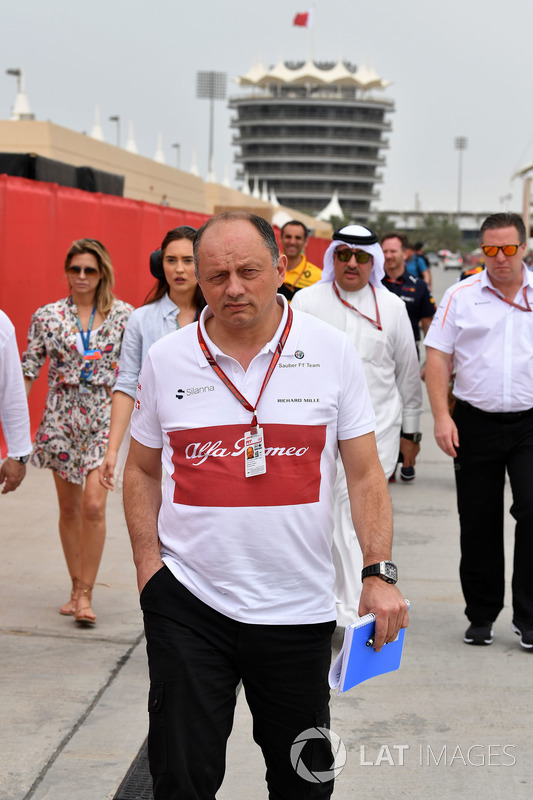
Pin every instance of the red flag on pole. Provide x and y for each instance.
(302, 20)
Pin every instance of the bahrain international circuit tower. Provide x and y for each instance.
(311, 132)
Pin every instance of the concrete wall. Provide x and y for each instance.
(145, 179)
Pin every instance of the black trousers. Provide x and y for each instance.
(490, 445)
(197, 658)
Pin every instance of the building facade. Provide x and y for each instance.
(309, 130)
(409, 222)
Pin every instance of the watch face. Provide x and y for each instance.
(386, 570)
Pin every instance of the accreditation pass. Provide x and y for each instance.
(254, 453)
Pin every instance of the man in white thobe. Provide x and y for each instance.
(351, 297)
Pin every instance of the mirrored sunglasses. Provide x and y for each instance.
(360, 256)
(491, 250)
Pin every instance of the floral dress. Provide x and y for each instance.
(72, 437)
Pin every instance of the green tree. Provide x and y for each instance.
(381, 225)
(339, 222)
(438, 233)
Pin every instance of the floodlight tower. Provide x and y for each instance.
(211, 86)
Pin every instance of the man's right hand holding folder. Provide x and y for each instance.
(371, 510)
(388, 605)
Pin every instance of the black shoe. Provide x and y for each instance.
(407, 474)
(479, 633)
(525, 633)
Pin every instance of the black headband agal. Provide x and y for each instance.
(348, 238)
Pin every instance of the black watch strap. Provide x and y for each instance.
(412, 437)
(385, 570)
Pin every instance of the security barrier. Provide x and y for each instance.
(38, 223)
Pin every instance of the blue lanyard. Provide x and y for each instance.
(87, 370)
(86, 336)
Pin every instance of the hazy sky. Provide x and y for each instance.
(458, 68)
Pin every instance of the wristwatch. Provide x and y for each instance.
(386, 570)
(412, 437)
(21, 459)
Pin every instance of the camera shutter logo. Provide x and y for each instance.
(338, 752)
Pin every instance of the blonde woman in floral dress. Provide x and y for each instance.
(82, 335)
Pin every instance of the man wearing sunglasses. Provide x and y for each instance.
(483, 328)
(351, 297)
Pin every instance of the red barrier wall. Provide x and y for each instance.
(315, 249)
(39, 221)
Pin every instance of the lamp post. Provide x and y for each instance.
(460, 144)
(526, 206)
(116, 119)
(504, 200)
(177, 146)
(21, 108)
(211, 85)
(17, 73)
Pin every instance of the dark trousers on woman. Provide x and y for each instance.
(197, 657)
(490, 445)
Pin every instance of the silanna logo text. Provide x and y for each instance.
(192, 390)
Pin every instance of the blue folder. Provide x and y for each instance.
(358, 661)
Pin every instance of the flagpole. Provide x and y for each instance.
(312, 40)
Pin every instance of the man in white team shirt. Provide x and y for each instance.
(483, 329)
(351, 296)
(14, 414)
(246, 410)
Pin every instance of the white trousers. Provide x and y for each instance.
(345, 550)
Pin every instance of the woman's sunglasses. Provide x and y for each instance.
(83, 270)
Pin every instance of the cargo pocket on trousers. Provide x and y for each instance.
(322, 755)
(157, 732)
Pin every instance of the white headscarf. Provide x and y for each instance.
(356, 236)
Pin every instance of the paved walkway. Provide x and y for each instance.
(73, 701)
(453, 722)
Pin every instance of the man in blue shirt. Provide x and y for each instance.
(415, 264)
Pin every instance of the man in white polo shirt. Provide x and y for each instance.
(483, 329)
(246, 409)
(14, 414)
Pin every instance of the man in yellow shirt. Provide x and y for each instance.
(300, 272)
